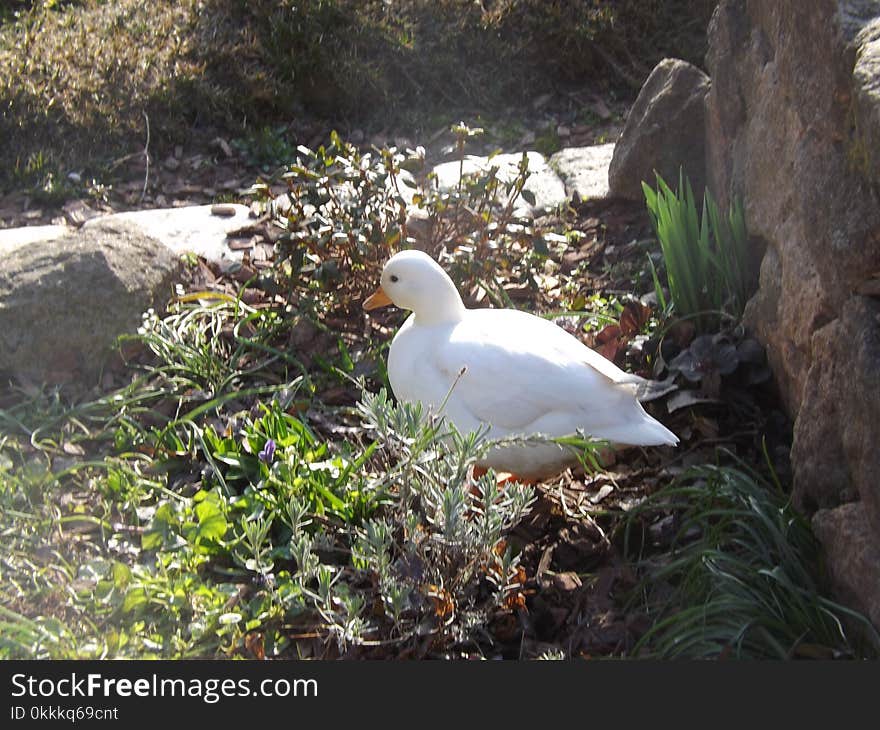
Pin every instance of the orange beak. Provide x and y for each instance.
(378, 299)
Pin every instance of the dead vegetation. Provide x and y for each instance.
(74, 73)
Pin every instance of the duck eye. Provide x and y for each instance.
(394, 278)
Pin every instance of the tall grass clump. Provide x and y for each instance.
(728, 572)
(706, 255)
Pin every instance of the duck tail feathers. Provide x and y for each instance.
(649, 432)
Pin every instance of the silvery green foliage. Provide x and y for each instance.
(444, 539)
(433, 563)
(430, 565)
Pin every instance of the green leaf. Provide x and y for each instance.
(134, 599)
(212, 522)
(121, 574)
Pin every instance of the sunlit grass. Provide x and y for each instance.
(706, 255)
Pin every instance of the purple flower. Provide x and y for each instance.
(268, 452)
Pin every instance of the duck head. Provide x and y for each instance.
(413, 280)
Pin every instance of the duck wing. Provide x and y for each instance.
(523, 372)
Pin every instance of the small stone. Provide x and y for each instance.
(541, 101)
(224, 210)
(584, 170)
(555, 238)
(224, 146)
(261, 252)
(566, 582)
(603, 492)
(241, 244)
(601, 110)
(78, 212)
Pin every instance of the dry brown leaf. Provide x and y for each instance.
(255, 645)
(633, 317)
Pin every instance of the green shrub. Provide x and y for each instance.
(210, 522)
(342, 218)
(345, 213)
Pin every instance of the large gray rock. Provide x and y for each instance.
(13, 238)
(665, 130)
(793, 130)
(63, 301)
(199, 229)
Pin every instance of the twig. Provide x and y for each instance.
(146, 159)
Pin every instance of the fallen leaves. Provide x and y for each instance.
(612, 340)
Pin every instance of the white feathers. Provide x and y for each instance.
(524, 375)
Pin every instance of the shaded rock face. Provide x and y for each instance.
(836, 452)
(793, 126)
(63, 301)
(665, 130)
(853, 557)
(781, 137)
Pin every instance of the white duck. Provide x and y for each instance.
(523, 374)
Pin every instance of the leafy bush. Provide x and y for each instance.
(342, 218)
(411, 555)
(479, 209)
(346, 212)
(236, 531)
(706, 257)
